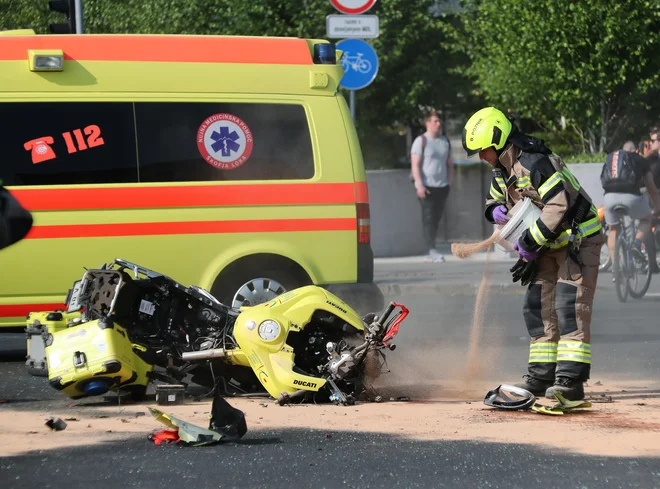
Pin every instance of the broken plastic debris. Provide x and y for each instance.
(227, 424)
(563, 406)
(188, 433)
(55, 424)
(165, 436)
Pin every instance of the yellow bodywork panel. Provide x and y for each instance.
(272, 360)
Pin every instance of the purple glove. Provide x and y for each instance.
(524, 254)
(500, 215)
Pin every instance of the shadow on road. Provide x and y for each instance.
(314, 458)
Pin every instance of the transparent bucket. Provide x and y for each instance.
(523, 215)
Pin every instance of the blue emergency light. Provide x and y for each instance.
(325, 54)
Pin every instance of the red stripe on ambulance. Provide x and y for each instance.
(191, 227)
(174, 49)
(21, 310)
(65, 199)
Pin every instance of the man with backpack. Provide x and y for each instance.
(623, 175)
(432, 174)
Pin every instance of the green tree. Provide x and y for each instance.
(590, 65)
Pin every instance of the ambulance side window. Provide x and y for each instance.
(222, 142)
(60, 143)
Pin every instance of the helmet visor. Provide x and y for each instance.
(469, 151)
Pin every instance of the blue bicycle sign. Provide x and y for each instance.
(356, 63)
(360, 63)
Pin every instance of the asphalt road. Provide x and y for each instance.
(626, 344)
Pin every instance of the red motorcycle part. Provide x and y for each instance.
(394, 328)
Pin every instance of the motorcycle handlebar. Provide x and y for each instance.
(386, 313)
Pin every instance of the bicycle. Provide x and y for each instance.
(356, 63)
(605, 258)
(630, 265)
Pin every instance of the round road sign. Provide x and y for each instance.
(353, 7)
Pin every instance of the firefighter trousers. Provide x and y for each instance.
(557, 312)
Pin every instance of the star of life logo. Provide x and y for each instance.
(224, 141)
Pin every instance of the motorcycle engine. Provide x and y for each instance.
(184, 318)
(312, 350)
(159, 312)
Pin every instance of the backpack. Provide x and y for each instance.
(620, 173)
(411, 177)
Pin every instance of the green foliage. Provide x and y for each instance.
(414, 63)
(585, 158)
(561, 142)
(593, 62)
(383, 148)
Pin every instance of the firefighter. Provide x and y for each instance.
(559, 254)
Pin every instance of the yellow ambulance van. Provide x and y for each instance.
(227, 162)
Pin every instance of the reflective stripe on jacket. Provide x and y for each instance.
(551, 186)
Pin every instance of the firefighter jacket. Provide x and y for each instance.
(543, 177)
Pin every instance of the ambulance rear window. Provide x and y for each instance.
(187, 141)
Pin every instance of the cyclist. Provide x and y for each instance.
(623, 175)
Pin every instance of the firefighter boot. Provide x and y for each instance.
(571, 389)
(538, 387)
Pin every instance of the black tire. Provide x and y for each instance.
(226, 290)
(620, 279)
(640, 279)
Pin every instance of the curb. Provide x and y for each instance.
(471, 289)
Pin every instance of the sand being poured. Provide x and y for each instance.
(464, 375)
(476, 365)
(465, 250)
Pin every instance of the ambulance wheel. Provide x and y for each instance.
(37, 372)
(261, 289)
(252, 287)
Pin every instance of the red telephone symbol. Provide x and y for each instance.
(41, 150)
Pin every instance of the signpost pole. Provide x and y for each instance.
(79, 16)
(352, 103)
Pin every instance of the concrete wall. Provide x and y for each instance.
(396, 222)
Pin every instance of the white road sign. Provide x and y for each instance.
(352, 26)
(352, 7)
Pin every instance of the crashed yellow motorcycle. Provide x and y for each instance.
(137, 325)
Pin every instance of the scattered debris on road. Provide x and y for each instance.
(563, 406)
(601, 398)
(227, 424)
(55, 424)
(512, 398)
